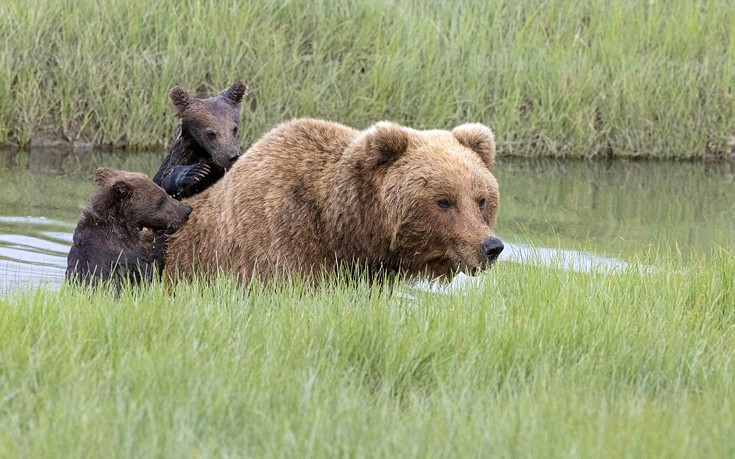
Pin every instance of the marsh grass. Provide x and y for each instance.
(537, 361)
(650, 79)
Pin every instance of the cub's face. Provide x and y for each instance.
(150, 206)
(212, 122)
(138, 201)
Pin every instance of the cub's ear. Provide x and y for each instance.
(236, 92)
(478, 138)
(385, 142)
(180, 98)
(122, 189)
(104, 175)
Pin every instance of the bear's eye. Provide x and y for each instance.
(161, 202)
(211, 135)
(444, 203)
(234, 131)
(481, 202)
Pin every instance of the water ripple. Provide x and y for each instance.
(28, 261)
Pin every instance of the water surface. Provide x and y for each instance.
(620, 208)
(583, 213)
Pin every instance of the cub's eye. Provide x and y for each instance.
(444, 203)
(211, 135)
(161, 202)
(481, 202)
(234, 131)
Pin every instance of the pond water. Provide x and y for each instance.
(583, 214)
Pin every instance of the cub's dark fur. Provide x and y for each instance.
(206, 141)
(109, 241)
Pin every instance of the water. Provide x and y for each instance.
(579, 215)
(43, 193)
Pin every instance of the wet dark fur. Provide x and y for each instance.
(206, 141)
(109, 242)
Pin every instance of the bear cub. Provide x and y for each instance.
(206, 141)
(108, 243)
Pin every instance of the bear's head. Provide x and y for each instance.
(437, 194)
(136, 201)
(212, 122)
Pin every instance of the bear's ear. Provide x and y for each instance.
(385, 142)
(236, 92)
(103, 175)
(478, 138)
(122, 189)
(180, 98)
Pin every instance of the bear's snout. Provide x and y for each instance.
(228, 157)
(490, 249)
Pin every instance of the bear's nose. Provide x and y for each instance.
(491, 248)
(233, 155)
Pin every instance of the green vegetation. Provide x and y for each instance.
(631, 79)
(536, 362)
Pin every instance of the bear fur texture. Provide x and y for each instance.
(113, 239)
(312, 196)
(205, 144)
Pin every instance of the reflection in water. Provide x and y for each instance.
(44, 191)
(618, 209)
(32, 260)
(572, 260)
(615, 210)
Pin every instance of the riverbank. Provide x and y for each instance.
(559, 79)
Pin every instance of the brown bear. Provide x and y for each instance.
(312, 196)
(112, 241)
(205, 143)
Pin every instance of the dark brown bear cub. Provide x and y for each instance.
(206, 142)
(108, 246)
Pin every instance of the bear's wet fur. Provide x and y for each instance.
(205, 143)
(113, 240)
(313, 197)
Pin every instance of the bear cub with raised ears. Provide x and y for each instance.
(108, 245)
(206, 141)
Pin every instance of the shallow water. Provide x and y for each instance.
(578, 215)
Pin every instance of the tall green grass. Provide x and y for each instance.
(536, 362)
(633, 79)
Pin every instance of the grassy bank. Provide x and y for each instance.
(537, 362)
(649, 79)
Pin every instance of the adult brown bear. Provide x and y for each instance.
(313, 195)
